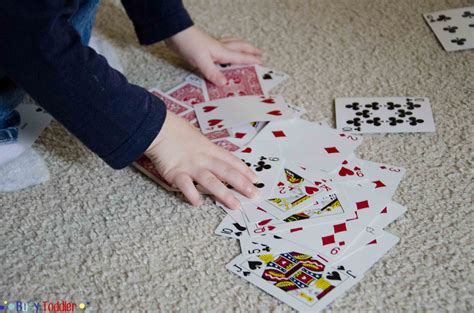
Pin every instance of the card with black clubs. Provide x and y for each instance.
(384, 115)
(453, 28)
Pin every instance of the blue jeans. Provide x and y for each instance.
(11, 96)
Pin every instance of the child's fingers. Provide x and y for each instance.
(209, 181)
(238, 164)
(243, 46)
(185, 184)
(235, 57)
(229, 39)
(210, 71)
(228, 173)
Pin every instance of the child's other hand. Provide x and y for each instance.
(202, 51)
(182, 155)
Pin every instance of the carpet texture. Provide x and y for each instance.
(116, 239)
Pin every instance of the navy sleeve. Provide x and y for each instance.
(43, 54)
(155, 20)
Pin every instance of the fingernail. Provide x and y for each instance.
(253, 192)
(222, 81)
(235, 204)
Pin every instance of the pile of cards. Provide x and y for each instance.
(317, 225)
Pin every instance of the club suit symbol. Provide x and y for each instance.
(354, 106)
(376, 121)
(364, 113)
(451, 29)
(393, 106)
(459, 41)
(374, 106)
(443, 18)
(402, 113)
(468, 14)
(413, 121)
(393, 121)
(356, 121)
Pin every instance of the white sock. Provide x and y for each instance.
(103, 47)
(26, 170)
(10, 151)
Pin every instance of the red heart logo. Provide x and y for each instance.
(264, 222)
(345, 172)
(268, 100)
(247, 150)
(213, 122)
(209, 108)
(310, 190)
(275, 112)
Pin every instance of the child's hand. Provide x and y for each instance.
(182, 155)
(202, 51)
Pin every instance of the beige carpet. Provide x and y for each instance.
(116, 239)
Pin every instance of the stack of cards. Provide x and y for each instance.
(317, 225)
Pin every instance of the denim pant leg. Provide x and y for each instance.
(10, 96)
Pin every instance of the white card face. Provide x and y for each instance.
(260, 222)
(33, 120)
(453, 28)
(265, 161)
(384, 115)
(235, 111)
(301, 279)
(305, 142)
(362, 259)
(269, 78)
(231, 228)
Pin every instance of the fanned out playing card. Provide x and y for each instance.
(384, 115)
(235, 111)
(453, 28)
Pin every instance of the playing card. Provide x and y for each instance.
(301, 279)
(386, 216)
(172, 105)
(243, 134)
(144, 165)
(33, 120)
(453, 28)
(297, 111)
(187, 92)
(241, 81)
(376, 244)
(260, 222)
(384, 115)
(294, 192)
(226, 144)
(265, 161)
(269, 78)
(235, 111)
(309, 143)
(231, 228)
